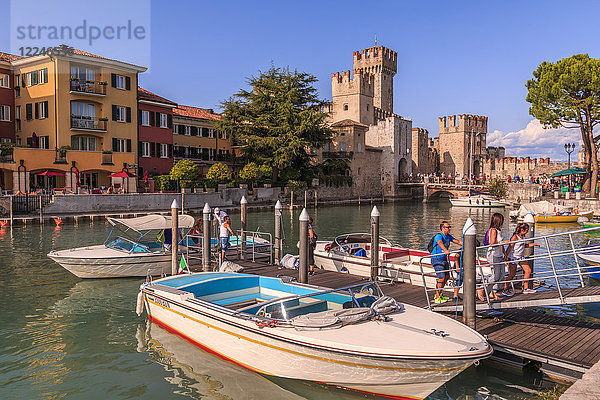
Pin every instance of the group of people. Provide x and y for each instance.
(499, 253)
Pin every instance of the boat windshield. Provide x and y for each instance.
(128, 246)
(362, 295)
(348, 242)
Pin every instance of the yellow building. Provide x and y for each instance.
(196, 138)
(75, 116)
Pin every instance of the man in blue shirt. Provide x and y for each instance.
(440, 260)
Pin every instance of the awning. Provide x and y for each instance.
(50, 173)
(569, 171)
(152, 222)
(122, 174)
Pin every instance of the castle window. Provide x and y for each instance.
(367, 107)
(345, 107)
(342, 146)
(359, 147)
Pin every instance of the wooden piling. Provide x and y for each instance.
(174, 236)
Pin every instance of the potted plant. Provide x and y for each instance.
(103, 119)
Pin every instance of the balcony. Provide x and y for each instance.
(83, 123)
(107, 158)
(88, 87)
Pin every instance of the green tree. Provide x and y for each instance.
(251, 173)
(185, 170)
(497, 187)
(567, 93)
(218, 173)
(278, 120)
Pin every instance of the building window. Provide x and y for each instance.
(4, 113)
(43, 109)
(83, 143)
(82, 74)
(187, 130)
(120, 82)
(4, 81)
(44, 142)
(342, 146)
(367, 107)
(163, 120)
(175, 129)
(119, 145)
(18, 118)
(164, 150)
(120, 113)
(145, 149)
(345, 107)
(145, 118)
(79, 110)
(43, 75)
(359, 147)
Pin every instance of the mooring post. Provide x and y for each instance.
(206, 238)
(278, 222)
(528, 251)
(41, 210)
(11, 209)
(243, 210)
(303, 269)
(374, 243)
(469, 260)
(315, 198)
(291, 199)
(306, 199)
(174, 235)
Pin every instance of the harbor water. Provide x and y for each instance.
(66, 338)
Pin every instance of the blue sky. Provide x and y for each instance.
(453, 57)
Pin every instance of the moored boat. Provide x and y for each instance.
(352, 337)
(479, 201)
(546, 212)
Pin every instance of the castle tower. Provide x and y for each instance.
(352, 97)
(455, 143)
(382, 63)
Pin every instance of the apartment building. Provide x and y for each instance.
(75, 122)
(196, 138)
(155, 141)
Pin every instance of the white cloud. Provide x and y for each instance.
(535, 141)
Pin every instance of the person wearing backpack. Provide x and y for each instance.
(439, 260)
(495, 258)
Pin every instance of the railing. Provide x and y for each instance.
(25, 204)
(7, 158)
(107, 159)
(554, 266)
(89, 87)
(88, 123)
(261, 244)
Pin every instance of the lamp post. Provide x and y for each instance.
(569, 148)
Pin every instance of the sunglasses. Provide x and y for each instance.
(447, 227)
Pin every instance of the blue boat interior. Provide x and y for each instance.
(270, 297)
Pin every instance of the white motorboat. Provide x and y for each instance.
(352, 337)
(351, 253)
(481, 201)
(123, 257)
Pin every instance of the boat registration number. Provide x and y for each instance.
(161, 302)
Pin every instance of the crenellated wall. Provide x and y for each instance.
(523, 167)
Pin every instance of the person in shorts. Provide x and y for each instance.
(440, 261)
(224, 232)
(515, 254)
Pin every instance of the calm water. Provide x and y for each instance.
(62, 337)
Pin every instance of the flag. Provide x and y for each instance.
(182, 266)
(375, 40)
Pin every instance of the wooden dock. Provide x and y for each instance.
(563, 348)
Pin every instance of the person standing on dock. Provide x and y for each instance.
(515, 253)
(312, 244)
(224, 233)
(495, 257)
(440, 261)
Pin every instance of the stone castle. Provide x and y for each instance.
(377, 142)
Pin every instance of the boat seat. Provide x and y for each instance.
(309, 308)
(244, 298)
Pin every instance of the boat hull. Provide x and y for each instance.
(477, 202)
(544, 219)
(248, 346)
(111, 266)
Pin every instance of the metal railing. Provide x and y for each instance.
(88, 123)
(89, 87)
(261, 245)
(559, 268)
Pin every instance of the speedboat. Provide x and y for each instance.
(546, 212)
(121, 256)
(351, 253)
(352, 337)
(480, 201)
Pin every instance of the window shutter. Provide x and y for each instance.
(28, 111)
(128, 114)
(46, 108)
(152, 122)
(158, 149)
(113, 80)
(45, 73)
(46, 142)
(115, 113)
(127, 83)
(23, 80)
(115, 144)
(139, 149)
(129, 145)
(152, 149)
(194, 131)
(37, 110)
(139, 117)
(169, 120)
(170, 155)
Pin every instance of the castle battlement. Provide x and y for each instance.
(346, 84)
(376, 59)
(464, 123)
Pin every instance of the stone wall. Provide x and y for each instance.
(523, 192)
(523, 167)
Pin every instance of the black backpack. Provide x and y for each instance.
(431, 243)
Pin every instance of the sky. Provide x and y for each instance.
(460, 57)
